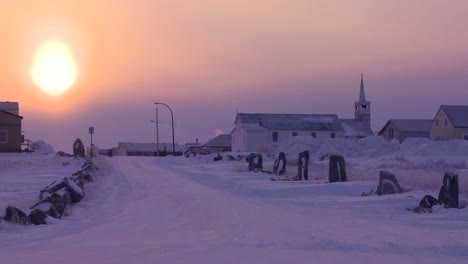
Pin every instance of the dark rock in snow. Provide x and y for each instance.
(78, 148)
(76, 192)
(428, 202)
(38, 217)
(231, 158)
(337, 169)
(388, 184)
(303, 166)
(279, 167)
(14, 214)
(448, 195)
(255, 162)
(53, 205)
(218, 157)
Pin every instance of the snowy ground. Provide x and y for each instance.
(177, 210)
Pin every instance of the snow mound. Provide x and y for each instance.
(42, 147)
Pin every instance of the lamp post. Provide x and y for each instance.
(172, 117)
(157, 131)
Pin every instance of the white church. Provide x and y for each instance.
(256, 132)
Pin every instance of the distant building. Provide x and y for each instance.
(145, 149)
(402, 129)
(258, 132)
(10, 127)
(450, 122)
(220, 143)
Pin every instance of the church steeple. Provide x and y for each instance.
(362, 107)
(362, 95)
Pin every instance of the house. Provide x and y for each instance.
(10, 127)
(450, 122)
(402, 129)
(264, 132)
(145, 149)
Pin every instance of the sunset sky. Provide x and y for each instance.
(208, 58)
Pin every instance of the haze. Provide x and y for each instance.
(207, 59)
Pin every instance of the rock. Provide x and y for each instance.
(279, 167)
(14, 214)
(255, 162)
(78, 148)
(218, 157)
(49, 208)
(448, 194)
(303, 166)
(231, 158)
(76, 193)
(337, 169)
(38, 217)
(428, 202)
(81, 179)
(66, 163)
(388, 184)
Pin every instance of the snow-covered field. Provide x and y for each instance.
(179, 210)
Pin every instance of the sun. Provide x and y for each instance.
(54, 69)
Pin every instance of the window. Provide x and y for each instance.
(390, 133)
(314, 134)
(294, 134)
(437, 122)
(332, 135)
(275, 136)
(364, 106)
(3, 136)
(465, 137)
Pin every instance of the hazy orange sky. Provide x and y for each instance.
(208, 58)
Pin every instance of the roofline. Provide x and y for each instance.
(441, 107)
(9, 113)
(397, 119)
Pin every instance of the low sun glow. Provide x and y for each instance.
(54, 69)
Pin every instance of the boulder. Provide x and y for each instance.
(428, 202)
(303, 166)
(279, 167)
(255, 162)
(231, 158)
(218, 157)
(448, 194)
(38, 217)
(78, 148)
(388, 184)
(49, 208)
(75, 191)
(337, 169)
(15, 215)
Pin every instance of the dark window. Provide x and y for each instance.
(465, 137)
(332, 135)
(437, 122)
(3, 136)
(275, 136)
(356, 107)
(314, 134)
(294, 134)
(364, 106)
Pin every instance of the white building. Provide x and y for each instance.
(264, 132)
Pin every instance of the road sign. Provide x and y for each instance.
(91, 130)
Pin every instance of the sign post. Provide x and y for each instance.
(91, 132)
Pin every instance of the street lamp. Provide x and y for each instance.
(156, 123)
(172, 117)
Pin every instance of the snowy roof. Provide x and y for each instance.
(219, 141)
(355, 128)
(12, 107)
(147, 147)
(299, 122)
(458, 114)
(410, 125)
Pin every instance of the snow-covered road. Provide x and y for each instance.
(150, 210)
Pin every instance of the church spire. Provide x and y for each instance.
(362, 95)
